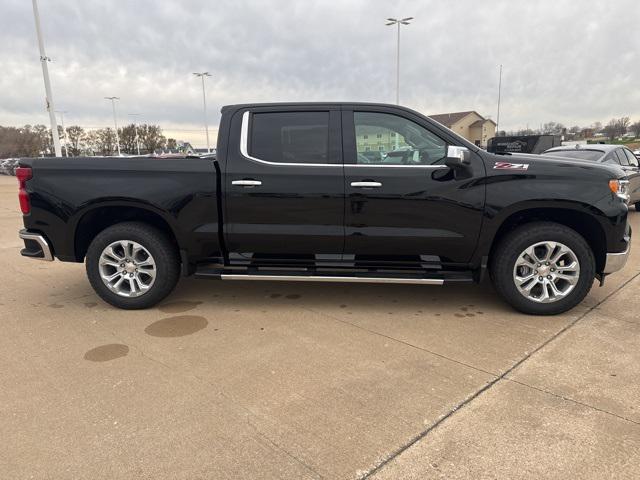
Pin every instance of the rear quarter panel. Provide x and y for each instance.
(181, 191)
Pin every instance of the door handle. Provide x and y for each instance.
(247, 183)
(366, 184)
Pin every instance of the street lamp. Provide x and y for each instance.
(499, 95)
(64, 131)
(47, 83)
(115, 120)
(202, 75)
(395, 21)
(135, 127)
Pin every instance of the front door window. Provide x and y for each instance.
(399, 141)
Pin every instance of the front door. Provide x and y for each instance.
(284, 191)
(402, 202)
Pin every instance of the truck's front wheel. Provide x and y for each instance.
(132, 265)
(543, 268)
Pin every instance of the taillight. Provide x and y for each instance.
(23, 174)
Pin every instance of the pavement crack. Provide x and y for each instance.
(569, 399)
(415, 439)
(403, 342)
(278, 447)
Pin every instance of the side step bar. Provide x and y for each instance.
(414, 277)
(326, 278)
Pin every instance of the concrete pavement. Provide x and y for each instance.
(276, 380)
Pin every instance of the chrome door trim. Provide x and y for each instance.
(312, 278)
(377, 165)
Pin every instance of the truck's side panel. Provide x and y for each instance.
(180, 191)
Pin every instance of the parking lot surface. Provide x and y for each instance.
(277, 380)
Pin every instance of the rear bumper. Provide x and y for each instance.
(616, 261)
(35, 246)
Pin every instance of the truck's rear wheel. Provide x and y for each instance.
(132, 265)
(543, 268)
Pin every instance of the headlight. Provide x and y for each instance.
(620, 188)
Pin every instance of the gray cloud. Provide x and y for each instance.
(568, 61)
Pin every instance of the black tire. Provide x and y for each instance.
(637, 205)
(164, 253)
(507, 252)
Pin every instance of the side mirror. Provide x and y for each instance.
(457, 157)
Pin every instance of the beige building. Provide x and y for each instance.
(470, 125)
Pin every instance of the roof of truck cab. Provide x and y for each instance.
(311, 104)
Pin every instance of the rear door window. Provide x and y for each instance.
(290, 137)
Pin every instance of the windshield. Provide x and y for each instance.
(575, 153)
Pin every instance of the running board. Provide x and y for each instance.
(326, 278)
(409, 277)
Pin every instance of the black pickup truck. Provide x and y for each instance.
(331, 192)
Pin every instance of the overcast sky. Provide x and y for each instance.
(570, 61)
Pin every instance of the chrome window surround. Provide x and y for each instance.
(244, 150)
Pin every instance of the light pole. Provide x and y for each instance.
(398, 22)
(115, 120)
(47, 83)
(202, 75)
(499, 94)
(135, 127)
(64, 132)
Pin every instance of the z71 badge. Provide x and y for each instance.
(510, 166)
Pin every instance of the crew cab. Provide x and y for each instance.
(295, 194)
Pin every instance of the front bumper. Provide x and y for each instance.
(616, 261)
(35, 246)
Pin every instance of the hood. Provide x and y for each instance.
(551, 162)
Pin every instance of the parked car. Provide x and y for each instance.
(603, 153)
(289, 197)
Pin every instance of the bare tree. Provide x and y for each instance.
(552, 128)
(635, 128)
(76, 136)
(151, 137)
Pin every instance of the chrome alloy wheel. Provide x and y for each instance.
(127, 268)
(546, 272)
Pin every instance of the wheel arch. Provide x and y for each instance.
(97, 218)
(582, 222)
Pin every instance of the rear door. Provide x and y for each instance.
(402, 203)
(284, 183)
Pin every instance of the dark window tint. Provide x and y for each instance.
(577, 153)
(622, 158)
(290, 137)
